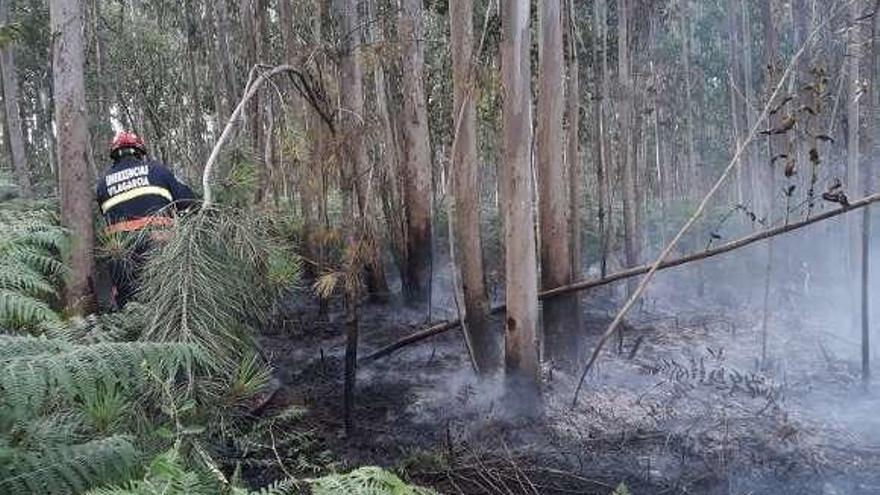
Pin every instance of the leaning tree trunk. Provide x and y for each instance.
(74, 175)
(553, 189)
(418, 198)
(484, 344)
(521, 359)
(14, 137)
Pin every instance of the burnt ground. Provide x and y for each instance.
(685, 406)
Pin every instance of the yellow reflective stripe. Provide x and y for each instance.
(136, 193)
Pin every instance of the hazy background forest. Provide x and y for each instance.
(382, 181)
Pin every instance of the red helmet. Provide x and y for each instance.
(127, 141)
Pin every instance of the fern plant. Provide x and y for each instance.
(31, 246)
(367, 480)
(60, 406)
(168, 475)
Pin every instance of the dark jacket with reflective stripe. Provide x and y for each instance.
(133, 188)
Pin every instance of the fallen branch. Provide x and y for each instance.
(445, 326)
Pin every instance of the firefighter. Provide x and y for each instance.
(135, 194)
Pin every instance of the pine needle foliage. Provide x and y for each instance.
(207, 284)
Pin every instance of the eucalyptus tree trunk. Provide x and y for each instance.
(603, 164)
(75, 179)
(554, 203)
(801, 21)
(627, 120)
(873, 112)
(357, 170)
(759, 202)
(418, 197)
(46, 130)
(215, 67)
(691, 166)
(661, 187)
(572, 150)
(389, 150)
(853, 152)
(285, 26)
(196, 112)
(250, 20)
(101, 118)
(734, 84)
(775, 146)
(224, 51)
(484, 344)
(12, 129)
(521, 329)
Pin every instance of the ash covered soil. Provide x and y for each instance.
(684, 405)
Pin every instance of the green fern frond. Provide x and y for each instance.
(121, 326)
(166, 475)
(47, 237)
(67, 469)
(16, 347)
(367, 480)
(621, 490)
(35, 433)
(19, 310)
(289, 486)
(24, 279)
(35, 258)
(77, 371)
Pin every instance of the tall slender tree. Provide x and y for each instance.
(418, 197)
(853, 141)
(521, 329)
(553, 187)
(873, 112)
(352, 156)
(573, 142)
(627, 126)
(12, 127)
(484, 344)
(74, 175)
(603, 162)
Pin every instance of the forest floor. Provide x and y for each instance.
(684, 406)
